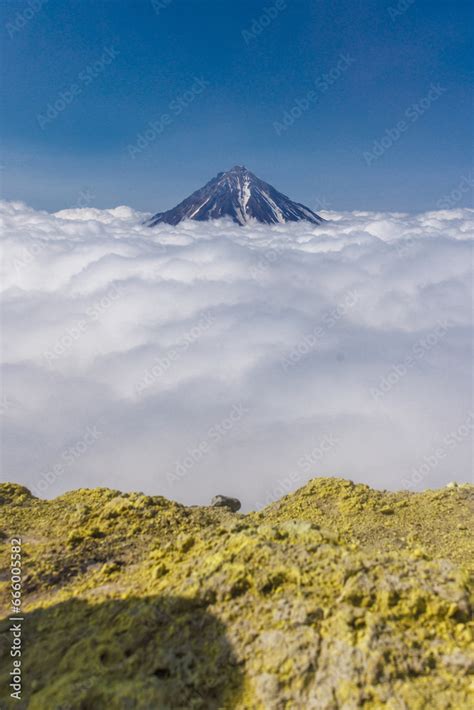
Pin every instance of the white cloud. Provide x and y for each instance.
(358, 330)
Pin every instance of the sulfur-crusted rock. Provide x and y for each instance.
(324, 600)
(232, 504)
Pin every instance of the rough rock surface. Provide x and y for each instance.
(232, 504)
(337, 596)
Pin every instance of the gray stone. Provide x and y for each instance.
(225, 502)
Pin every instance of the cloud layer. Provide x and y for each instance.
(210, 358)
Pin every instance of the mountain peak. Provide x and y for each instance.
(240, 195)
(239, 170)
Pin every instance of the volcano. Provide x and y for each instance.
(241, 196)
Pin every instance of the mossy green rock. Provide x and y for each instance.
(337, 596)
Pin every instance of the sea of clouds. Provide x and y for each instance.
(208, 358)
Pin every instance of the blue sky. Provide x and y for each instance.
(388, 127)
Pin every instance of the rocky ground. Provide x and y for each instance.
(337, 596)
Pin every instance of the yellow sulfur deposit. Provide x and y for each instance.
(336, 596)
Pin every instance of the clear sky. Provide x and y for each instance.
(388, 127)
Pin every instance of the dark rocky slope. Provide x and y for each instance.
(241, 196)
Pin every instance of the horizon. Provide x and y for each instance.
(449, 201)
(140, 104)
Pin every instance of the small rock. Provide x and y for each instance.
(160, 571)
(225, 502)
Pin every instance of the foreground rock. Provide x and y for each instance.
(338, 596)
